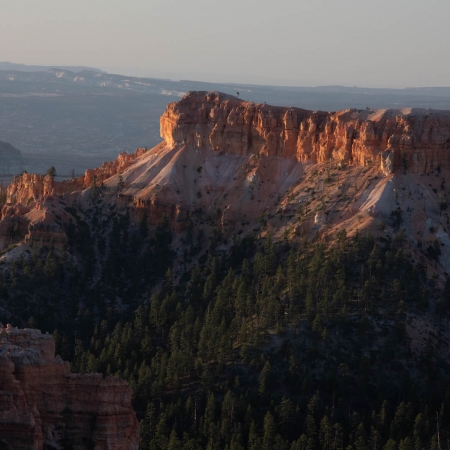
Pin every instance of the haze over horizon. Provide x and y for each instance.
(384, 44)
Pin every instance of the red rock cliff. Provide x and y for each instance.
(418, 139)
(43, 404)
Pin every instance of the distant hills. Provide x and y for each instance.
(28, 68)
(78, 79)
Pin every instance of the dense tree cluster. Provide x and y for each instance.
(270, 345)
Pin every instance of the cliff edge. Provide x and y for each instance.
(389, 138)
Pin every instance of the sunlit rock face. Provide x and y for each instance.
(43, 405)
(418, 139)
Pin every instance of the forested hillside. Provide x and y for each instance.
(270, 344)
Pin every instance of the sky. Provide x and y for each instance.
(369, 43)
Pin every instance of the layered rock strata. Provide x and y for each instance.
(43, 405)
(414, 139)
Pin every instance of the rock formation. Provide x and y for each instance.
(40, 221)
(228, 159)
(11, 161)
(33, 211)
(28, 188)
(418, 139)
(108, 169)
(43, 405)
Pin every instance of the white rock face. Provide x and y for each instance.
(387, 162)
(319, 217)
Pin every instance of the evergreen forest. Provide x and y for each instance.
(262, 343)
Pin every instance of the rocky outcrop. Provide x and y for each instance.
(415, 139)
(43, 405)
(40, 222)
(32, 212)
(108, 169)
(11, 161)
(27, 188)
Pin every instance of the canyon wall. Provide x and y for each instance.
(417, 140)
(43, 405)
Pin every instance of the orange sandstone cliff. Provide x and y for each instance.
(43, 405)
(236, 159)
(416, 138)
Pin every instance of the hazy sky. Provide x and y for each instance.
(374, 43)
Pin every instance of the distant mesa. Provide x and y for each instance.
(29, 68)
(11, 160)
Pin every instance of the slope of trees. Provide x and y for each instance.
(272, 345)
